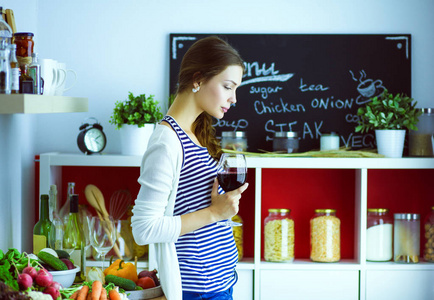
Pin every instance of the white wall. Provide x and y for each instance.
(120, 46)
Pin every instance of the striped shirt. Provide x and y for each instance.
(207, 256)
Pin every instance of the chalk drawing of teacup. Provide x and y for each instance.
(368, 87)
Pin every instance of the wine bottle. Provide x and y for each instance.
(73, 239)
(64, 211)
(42, 228)
(35, 73)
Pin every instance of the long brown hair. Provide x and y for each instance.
(205, 59)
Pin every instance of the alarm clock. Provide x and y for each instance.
(91, 139)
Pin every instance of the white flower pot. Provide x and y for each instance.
(390, 142)
(134, 140)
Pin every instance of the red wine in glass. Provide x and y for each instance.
(232, 179)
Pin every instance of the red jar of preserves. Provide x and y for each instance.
(25, 44)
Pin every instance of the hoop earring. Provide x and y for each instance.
(195, 90)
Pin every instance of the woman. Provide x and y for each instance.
(180, 201)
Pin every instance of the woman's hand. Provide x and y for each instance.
(225, 206)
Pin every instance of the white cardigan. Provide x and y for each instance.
(153, 221)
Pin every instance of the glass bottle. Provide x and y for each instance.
(325, 236)
(56, 234)
(26, 82)
(5, 69)
(429, 236)
(5, 30)
(73, 239)
(379, 235)
(406, 234)
(15, 70)
(279, 236)
(35, 73)
(42, 228)
(64, 211)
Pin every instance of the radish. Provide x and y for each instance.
(24, 281)
(44, 278)
(54, 293)
(56, 285)
(30, 271)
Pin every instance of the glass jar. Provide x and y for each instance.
(234, 140)
(421, 141)
(325, 236)
(286, 142)
(279, 236)
(406, 232)
(329, 141)
(25, 44)
(238, 236)
(379, 235)
(428, 251)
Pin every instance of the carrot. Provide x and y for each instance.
(74, 295)
(96, 290)
(103, 295)
(114, 295)
(89, 296)
(82, 294)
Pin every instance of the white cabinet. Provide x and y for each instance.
(348, 279)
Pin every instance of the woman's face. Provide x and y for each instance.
(216, 95)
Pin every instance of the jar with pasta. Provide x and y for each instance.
(279, 236)
(428, 251)
(238, 236)
(325, 236)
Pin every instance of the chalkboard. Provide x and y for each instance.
(309, 83)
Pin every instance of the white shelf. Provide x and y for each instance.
(306, 264)
(390, 265)
(38, 104)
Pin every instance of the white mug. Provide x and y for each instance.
(51, 75)
(60, 89)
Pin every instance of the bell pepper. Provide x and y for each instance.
(121, 269)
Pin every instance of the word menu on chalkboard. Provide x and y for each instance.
(308, 83)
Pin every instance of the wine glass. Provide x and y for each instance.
(231, 174)
(102, 235)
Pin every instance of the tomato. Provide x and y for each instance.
(146, 282)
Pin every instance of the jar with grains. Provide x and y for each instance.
(379, 235)
(325, 236)
(25, 44)
(428, 252)
(406, 234)
(421, 141)
(234, 140)
(238, 236)
(286, 142)
(279, 236)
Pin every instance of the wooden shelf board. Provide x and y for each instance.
(38, 104)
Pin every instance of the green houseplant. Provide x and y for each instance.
(136, 118)
(136, 110)
(389, 115)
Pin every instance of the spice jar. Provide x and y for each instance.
(329, 141)
(325, 236)
(428, 252)
(25, 44)
(238, 236)
(234, 140)
(286, 142)
(379, 235)
(406, 238)
(421, 141)
(279, 236)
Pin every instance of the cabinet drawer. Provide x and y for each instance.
(400, 284)
(304, 285)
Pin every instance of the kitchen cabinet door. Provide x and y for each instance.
(243, 289)
(402, 284)
(308, 285)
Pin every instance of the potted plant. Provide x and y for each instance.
(136, 118)
(389, 115)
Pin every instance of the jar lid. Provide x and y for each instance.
(23, 34)
(378, 210)
(332, 133)
(328, 210)
(426, 110)
(279, 210)
(408, 217)
(233, 134)
(286, 134)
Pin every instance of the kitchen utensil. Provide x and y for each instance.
(119, 203)
(96, 199)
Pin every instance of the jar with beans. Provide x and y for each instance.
(325, 236)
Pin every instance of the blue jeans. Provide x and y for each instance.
(225, 295)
